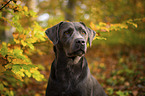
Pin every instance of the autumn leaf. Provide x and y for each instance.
(31, 46)
(93, 26)
(1, 86)
(15, 35)
(25, 8)
(2, 69)
(16, 68)
(4, 49)
(135, 92)
(23, 43)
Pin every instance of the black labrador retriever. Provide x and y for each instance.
(70, 75)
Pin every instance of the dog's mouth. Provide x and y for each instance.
(76, 53)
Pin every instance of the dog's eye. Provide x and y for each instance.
(83, 32)
(67, 33)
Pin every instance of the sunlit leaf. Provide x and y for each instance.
(36, 74)
(11, 93)
(28, 73)
(23, 43)
(16, 68)
(8, 66)
(20, 73)
(25, 8)
(2, 69)
(0, 14)
(5, 83)
(17, 41)
(93, 26)
(31, 46)
(102, 24)
(4, 49)
(100, 38)
(1, 86)
(26, 67)
(32, 13)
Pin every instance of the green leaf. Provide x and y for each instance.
(18, 53)
(26, 67)
(120, 93)
(28, 73)
(15, 18)
(11, 93)
(4, 49)
(23, 43)
(110, 91)
(31, 46)
(31, 66)
(20, 73)
(16, 68)
(2, 69)
(1, 86)
(5, 83)
(100, 38)
(32, 13)
(40, 67)
(36, 75)
(0, 14)
(132, 23)
(135, 25)
(8, 66)
(123, 93)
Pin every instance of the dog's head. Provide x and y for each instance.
(73, 37)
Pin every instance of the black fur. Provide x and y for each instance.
(70, 75)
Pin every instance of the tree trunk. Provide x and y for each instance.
(32, 5)
(10, 30)
(6, 33)
(70, 10)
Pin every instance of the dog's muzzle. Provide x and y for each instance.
(79, 48)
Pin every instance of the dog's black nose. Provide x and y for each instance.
(80, 41)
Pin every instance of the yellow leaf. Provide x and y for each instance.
(18, 61)
(22, 70)
(16, 35)
(37, 94)
(2, 69)
(135, 25)
(92, 25)
(20, 73)
(9, 44)
(1, 86)
(102, 65)
(102, 24)
(17, 41)
(23, 43)
(18, 77)
(25, 8)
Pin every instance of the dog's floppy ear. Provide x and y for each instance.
(91, 34)
(52, 33)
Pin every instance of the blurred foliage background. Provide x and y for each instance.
(116, 58)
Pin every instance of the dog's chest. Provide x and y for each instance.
(70, 72)
(80, 89)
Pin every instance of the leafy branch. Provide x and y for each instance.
(5, 4)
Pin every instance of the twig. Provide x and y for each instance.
(5, 5)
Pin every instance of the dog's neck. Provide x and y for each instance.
(65, 66)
